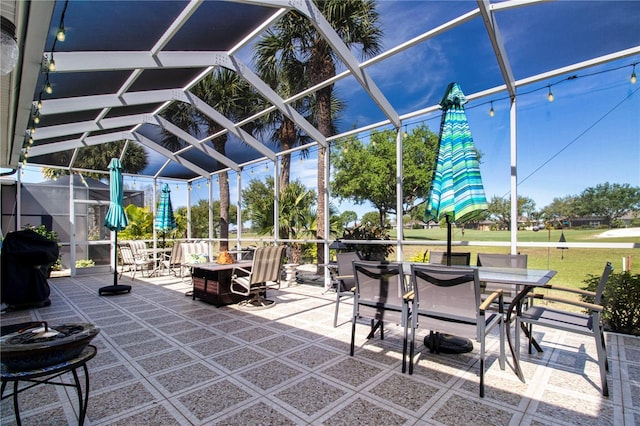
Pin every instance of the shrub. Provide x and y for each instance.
(621, 300)
(369, 232)
(85, 263)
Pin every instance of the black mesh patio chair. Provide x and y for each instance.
(446, 299)
(497, 260)
(345, 282)
(459, 259)
(379, 297)
(588, 324)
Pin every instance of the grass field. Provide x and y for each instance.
(573, 264)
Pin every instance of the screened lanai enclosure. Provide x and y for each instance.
(102, 72)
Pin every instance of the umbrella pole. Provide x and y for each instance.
(115, 260)
(448, 240)
(115, 288)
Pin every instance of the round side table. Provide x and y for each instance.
(46, 375)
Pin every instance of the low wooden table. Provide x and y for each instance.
(212, 282)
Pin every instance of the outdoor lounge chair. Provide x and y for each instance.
(345, 282)
(133, 262)
(380, 288)
(570, 321)
(265, 274)
(173, 262)
(447, 299)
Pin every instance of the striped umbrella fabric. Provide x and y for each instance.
(116, 219)
(165, 220)
(456, 190)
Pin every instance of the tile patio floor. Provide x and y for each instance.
(164, 359)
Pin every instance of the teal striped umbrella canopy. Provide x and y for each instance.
(456, 189)
(165, 220)
(116, 219)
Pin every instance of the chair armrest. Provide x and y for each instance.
(585, 305)
(570, 290)
(238, 268)
(491, 299)
(409, 296)
(342, 277)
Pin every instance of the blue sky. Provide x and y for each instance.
(589, 135)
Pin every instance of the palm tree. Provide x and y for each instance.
(356, 22)
(233, 97)
(286, 77)
(97, 157)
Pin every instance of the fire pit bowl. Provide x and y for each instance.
(34, 345)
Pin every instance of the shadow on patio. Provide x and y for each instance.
(166, 359)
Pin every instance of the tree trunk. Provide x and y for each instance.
(223, 179)
(323, 66)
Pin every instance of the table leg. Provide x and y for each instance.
(515, 349)
(16, 409)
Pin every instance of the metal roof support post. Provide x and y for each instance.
(19, 199)
(399, 204)
(189, 201)
(154, 209)
(276, 202)
(210, 195)
(239, 212)
(327, 229)
(514, 177)
(188, 217)
(72, 227)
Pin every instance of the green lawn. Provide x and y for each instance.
(572, 264)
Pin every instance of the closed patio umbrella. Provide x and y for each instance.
(456, 190)
(165, 220)
(116, 220)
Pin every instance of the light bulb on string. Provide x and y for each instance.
(633, 75)
(550, 95)
(47, 86)
(36, 117)
(61, 35)
(39, 104)
(52, 64)
(491, 111)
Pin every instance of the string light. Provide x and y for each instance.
(47, 86)
(52, 64)
(491, 111)
(36, 117)
(633, 75)
(550, 95)
(61, 35)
